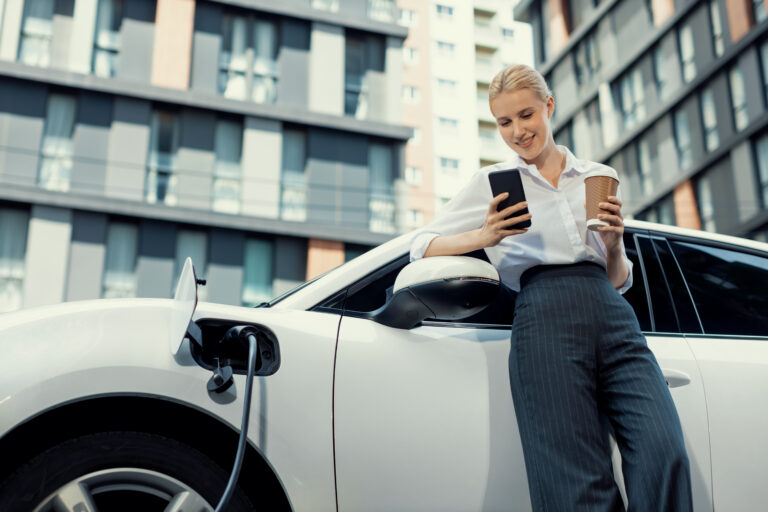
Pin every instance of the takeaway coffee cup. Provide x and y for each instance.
(599, 184)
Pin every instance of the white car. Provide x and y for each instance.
(370, 394)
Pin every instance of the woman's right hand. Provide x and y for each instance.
(495, 228)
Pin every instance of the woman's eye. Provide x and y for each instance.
(504, 123)
(526, 116)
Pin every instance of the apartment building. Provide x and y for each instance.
(264, 139)
(672, 94)
(453, 50)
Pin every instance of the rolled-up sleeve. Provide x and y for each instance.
(465, 212)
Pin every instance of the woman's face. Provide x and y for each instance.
(523, 121)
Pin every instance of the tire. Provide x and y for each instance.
(119, 471)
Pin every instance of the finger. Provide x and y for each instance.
(493, 206)
(509, 232)
(619, 230)
(615, 200)
(610, 207)
(509, 210)
(515, 220)
(614, 220)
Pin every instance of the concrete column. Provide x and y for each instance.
(393, 69)
(10, 30)
(740, 18)
(326, 69)
(261, 165)
(48, 243)
(174, 27)
(128, 146)
(323, 255)
(662, 11)
(558, 24)
(62, 36)
(686, 209)
(81, 42)
(745, 181)
(86, 256)
(195, 159)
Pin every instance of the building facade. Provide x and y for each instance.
(453, 49)
(264, 139)
(672, 94)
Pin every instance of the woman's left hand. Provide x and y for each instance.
(614, 232)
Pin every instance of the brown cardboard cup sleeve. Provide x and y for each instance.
(599, 185)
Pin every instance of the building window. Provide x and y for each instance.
(660, 74)
(415, 139)
(738, 98)
(106, 44)
(761, 150)
(449, 165)
(13, 248)
(408, 18)
(191, 244)
(706, 206)
(448, 125)
(447, 87)
(688, 64)
(415, 219)
(683, 140)
(709, 117)
(257, 271)
(410, 56)
(325, 5)
(759, 10)
(764, 69)
(161, 160)
(293, 195)
(57, 148)
(381, 10)
(226, 172)
(717, 28)
(248, 59)
(413, 176)
(507, 33)
(120, 263)
(445, 49)
(586, 60)
(355, 82)
(411, 94)
(36, 33)
(632, 106)
(663, 212)
(444, 11)
(645, 167)
(381, 203)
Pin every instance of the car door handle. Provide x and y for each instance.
(675, 378)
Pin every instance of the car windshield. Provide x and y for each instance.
(294, 290)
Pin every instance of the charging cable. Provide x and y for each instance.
(252, 355)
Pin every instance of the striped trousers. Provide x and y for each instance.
(577, 353)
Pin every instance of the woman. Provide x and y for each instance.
(576, 348)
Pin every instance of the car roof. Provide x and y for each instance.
(695, 233)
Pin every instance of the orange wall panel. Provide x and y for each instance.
(662, 11)
(323, 255)
(686, 209)
(174, 26)
(740, 18)
(558, 24)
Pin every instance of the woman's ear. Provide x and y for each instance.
(550, 107)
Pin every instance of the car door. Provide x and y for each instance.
(424, 419)
(728, 287)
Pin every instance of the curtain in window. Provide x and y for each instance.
(264, 63)
(234, 59)
(57, 148)
(13, 246)
(107, 40)
(192, 244)
(161, 175)
(293, 197)
(382, 198)
(36, 33)
(120, 265)
(257, 285)
(226, 174)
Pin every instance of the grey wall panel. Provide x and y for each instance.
(86, 256)
(128, 147)
(293, 63)
(63, 24)
(22, 107)
(353, 8)
(206, 46)
(667, 150)
(723, 109)
(692, 109)
(137, 36)
(157, 249)
(749, 62)
(702, 37)
(724, 196)
(564, 86)
(91, 142)
(745, 181)
(631, 188)
(196, 158)
(631, 24)
(607, 45)
(48, 240)
(354, 182)
(290, 264)
(225, 266)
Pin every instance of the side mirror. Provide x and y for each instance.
(444, 287)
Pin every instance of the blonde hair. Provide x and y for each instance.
(517, 77)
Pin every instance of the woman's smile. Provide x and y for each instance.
(525, 143)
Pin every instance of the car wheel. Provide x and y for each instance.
(116, 471)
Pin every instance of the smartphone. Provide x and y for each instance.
(509, 181)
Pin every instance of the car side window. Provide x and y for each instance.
(663, 314)
(637, 293)
(729, 287)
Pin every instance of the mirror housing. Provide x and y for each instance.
(183, 307)
(444, 287)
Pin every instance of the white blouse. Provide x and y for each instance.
(558, 232)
